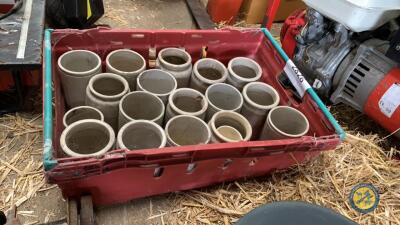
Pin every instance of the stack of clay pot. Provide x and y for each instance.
(175, 104)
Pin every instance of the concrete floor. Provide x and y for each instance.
(149, 14)
(137, 212)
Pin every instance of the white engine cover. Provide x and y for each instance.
(357, 15)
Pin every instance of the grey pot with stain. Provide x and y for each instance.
(127, 63)
(284, 122)
(86, 138)
(221, 97)
(187, 130)
(259, 99)
(224, 126)
(75, 68)
(141, 105)
(158, 82)
(206, 72)
(177, 62)
(141, 134)
(81, 113)
(104, 92)
(186, 101)
(242, 71)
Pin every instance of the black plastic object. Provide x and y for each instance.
(293, 213)
(74, 13)
(285, 82)
(3, 218)
(12, 100)
(394, 49)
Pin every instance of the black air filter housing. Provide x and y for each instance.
(74, 13)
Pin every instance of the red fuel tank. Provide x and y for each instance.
(383, 105)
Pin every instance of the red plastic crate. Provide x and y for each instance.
(122, 175)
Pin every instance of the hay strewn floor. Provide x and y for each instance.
(21, 172)
(326, 181)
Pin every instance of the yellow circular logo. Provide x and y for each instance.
(364, 198)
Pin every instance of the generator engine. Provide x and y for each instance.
(349, 52)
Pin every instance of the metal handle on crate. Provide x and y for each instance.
(302, 85)
(48, 161)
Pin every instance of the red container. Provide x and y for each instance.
(123, 175)
(6, 7)
(376, 105)
(224, 10)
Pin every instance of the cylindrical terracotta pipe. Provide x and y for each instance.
(284, 122)
(81, 113)
(157, 82)
(231, 123)
(259, 98)
(126, 63)
(75, 70)
(141, 105)
(223, 97)
(207, 72)
(141, 134)
(186, 101)
(104, 92)
(242, 71)
(187, 130)
(177, 62)
(87, 137)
